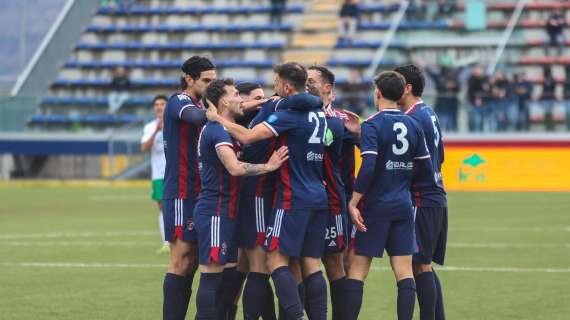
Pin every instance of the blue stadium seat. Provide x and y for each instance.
(373, 7)
(166, 64)
(90, 119)
(92, 101)
(405, 25)
(146, 10)
(235, 45)
(168, 28)
(162, 82)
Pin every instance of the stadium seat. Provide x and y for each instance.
(146, 10)
(167, 28)
(149, 82)
(91, 119)
(166, 64)
(235, 45)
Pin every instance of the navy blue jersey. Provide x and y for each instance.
(397, 142)
(332, 161)
(181, 177)
(429, 192)
(347, 165)
(219, 194)
(262, 186)
(300, 182)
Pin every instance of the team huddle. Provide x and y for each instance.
(259, 188)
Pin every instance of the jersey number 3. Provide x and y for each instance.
(401, 132)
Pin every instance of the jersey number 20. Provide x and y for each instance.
(401, 132)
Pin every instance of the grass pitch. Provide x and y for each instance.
(89, 253)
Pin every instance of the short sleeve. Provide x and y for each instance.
(369, 139)
(177, 104)
(281, 121)
(422, 151)
(148, 131)
(220, 137)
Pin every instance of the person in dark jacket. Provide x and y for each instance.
(349, 14)
(522, 88)
(555, 31)
(477, 93)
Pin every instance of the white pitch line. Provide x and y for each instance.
(78, 243)
(374, 268)
(75, 235)
(491, 269)
(514, 229)
(493, 245)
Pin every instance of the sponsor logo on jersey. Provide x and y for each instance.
(272, 118)
(182, 97)
(396, 165)
(311, 156)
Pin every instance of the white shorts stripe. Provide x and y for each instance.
(262, 216)
(278, 219)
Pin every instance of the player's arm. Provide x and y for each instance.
(423, 167)
(148, 138)
(185, 110)
(369, 154)
(243, 135)
(352, 124)
(237, 168)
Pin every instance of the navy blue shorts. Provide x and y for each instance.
(216, 239)
(335, 239)
(177, 217)
(396, 237)
(297, 232)
(431, 235)
(252, 221)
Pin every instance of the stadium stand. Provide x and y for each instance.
(151, 38)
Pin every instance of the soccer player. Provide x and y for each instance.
(152, 141)
(429, 199)
(183, 120)
(216, 210)
(321, 83)
(300, 212)
(392, 148)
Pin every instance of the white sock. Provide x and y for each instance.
(161, 225)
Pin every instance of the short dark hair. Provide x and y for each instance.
(216, 89)
(159, 97)
(247, 87)
(390, 84)
(294, 73)
(326, 74)
(414, 77)
(194, 66)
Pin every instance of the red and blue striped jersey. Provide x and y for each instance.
(300, 182)
(219, 193)
(429, 192)
(397, 142)
(332, 162)
(181, 177)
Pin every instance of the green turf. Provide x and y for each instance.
(113, 232)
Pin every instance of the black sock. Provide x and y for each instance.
(316, 295)
(406, 298)
(286, 290)
(232, 280)
(208, 296)
(439, 307)
(353, 291)
(255, 295)
(302, 294)
(427, 295)
(176, 293)
(337, 291)
(269, 308)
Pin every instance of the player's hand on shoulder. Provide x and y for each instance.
(352, 123)
(212, 112)
(278, 158)
(253, 104)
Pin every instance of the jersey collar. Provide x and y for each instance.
(414, 106)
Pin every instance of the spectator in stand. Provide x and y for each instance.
(446, 101)
(548, 97)
(277, 10)
(555, 31)
(500, 102)
(416, 11)
(349, 14)
(477, 91)
(522, 88)
(566, 92)
(120, 86)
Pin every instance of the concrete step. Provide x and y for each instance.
(307, 57)
(319, 22)
(310, 40)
